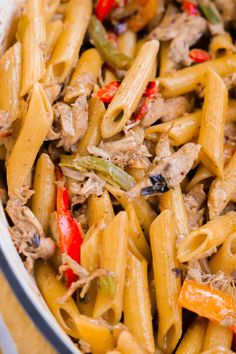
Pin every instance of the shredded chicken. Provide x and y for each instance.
(173, 168)
(82, 217)
(27, 233)
(129, 150)
(230, 131)
(184, 31)
(83, 85)
(163, 148)
(71, 123)
(84, 346)
(85, 278)
(5, 124)
(227, 9)
(230, 81)
(193, 203)
(52, 91)
(91, 184)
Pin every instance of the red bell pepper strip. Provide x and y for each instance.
(106, 93)
(69, 230)
(199, 55)
(190, 8)
(103, 8)
(151, 91)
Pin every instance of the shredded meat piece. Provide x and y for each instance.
(193, 203)
(71, 122)
(173, 168)
(85, 278)
(80, 87)
(227, 9)
(230, 131)
(91, 184)
(84, 346)
(5, 124)
(27, 233)
(163, 148)
(52, 92)
(129, 150)
(230, 81)
(184, 31)
(82, 217)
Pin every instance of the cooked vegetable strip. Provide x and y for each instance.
(109, 53)
(68, 229)
(99, 164)
(106, 93)
(209, 14)
(209, 302)
(199, 55)
(103, 8)
(204, 240)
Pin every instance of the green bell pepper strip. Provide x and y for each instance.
(99, 164)
(209, 14)
(109, 53)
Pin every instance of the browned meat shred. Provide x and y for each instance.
(27, 233)
(193, 203)
(163, 148)
(5, 124)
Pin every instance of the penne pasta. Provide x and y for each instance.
(93, 135)
(192, 341)
(44, 197)
(201, 175)
(33, 45)
(225, 258)
(217, 335)
(127, 344)
(188, 79)
(85, 75)
(130, 91)
(10, 81)
(165, 63)
(50, 8)
(68, 46)
(127, 43)
(222, 189)
(167, 284)
(137, 308)
(200, 242)
(222, 44)
(114, 250)
(34, 130)
(218, 350)
(54, 30)
(100, 209)
(211, 136)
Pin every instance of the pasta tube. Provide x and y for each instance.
(211, 136)
(222, 189)
(100, 208)
(222, 43)
(54, 30)
(127, 43)
(35, 128)
(217, 335)
(10, 81)
(130, 91)
(64, 56)
(201, 175)
(167, 284)
(218, 350)
(188, 79)
(113, 258)
(93, 134)
(137, 308)
(85, 75)
(192, 342)
(127, 344)
(50, 8)
(198, 242)
(44, 198)
(33, 44)
(225, 258)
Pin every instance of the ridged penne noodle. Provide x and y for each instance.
(167, 284)
(114, 250)
(143, 210)
(222, 44)
(93, 135)
(127, 344)
(33, 45)
(222, 189)
(68, 46)
(180, 131)
(165, 63)
(204, 240)
(44, 198)
(136, 233)
(217, 335)
(85, 75)
(211, 136)
(130, 91)
(100, 209)
(137, 308)
(127, 43)
(54, 30)
(109, 76)
(192, 341)
(201, 175)
(35, 128)
(218, 350)
(173, 200)
(186, 80)
(225, 258)
(97, 335)
(50, 8)
(10, 81)
(231, 111)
